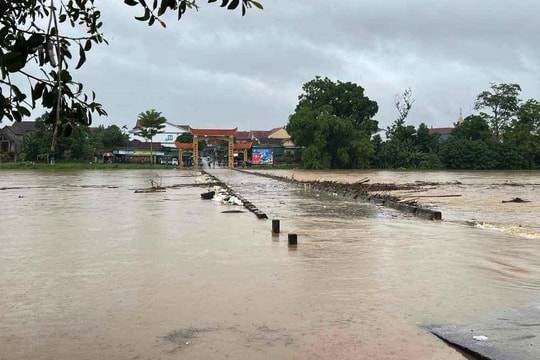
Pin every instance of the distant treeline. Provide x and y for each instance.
(333, 124)
(333, 127)
(83, 144)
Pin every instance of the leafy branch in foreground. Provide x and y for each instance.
(158, 8)
(34, 52)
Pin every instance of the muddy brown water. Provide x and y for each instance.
(90, 269)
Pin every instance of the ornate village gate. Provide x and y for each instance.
(222, 134)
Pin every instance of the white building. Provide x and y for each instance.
(166, 138)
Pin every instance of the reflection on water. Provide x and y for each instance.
(90, 269)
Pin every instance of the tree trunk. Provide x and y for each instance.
(151, 156)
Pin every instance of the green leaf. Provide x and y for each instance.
(87, 45)
(13, 61)
(166, 4)
(145, 17)
(16, 115)
(257, 4)
(131, 2)
(34, 41)
(47, 100)
(3, 32)
(233, 5)
(37, 90)
(66, 53)
(82, 57)
(19, 96)
(68, 129)
(23, 111)
(65, 76)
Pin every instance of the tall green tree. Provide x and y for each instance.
(38, 43)
(399, 150)
(185, 137)
(428, 146)
(473, 127)
(502, 102)
(463, 154)
(425, 141)
(150, 124)
(73, 148)
(109, 137)
(36, 144)
(333, 121)
(524, 134)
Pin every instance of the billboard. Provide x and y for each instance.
(262, 156)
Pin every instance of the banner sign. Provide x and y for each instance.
(262, 156)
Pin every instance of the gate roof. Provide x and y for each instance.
(213, 132)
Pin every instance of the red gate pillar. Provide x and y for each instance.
(231, 152)
(195, 151)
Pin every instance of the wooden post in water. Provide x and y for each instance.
(275, 226)
(293, 240)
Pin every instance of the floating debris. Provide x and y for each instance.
(226, 196)
(208, 195)
(155, 186)
(362, 190)
(150, 190)
(515, 200)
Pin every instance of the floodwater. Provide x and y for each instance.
(89, 269)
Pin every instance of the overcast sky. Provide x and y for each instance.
(216, 69)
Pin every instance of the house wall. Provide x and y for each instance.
(166, 138)
(10, 142)
(5, 144)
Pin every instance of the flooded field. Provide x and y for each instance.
(91, 269)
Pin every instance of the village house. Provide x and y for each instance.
(11, 137)
(165, 138)
(445, 132)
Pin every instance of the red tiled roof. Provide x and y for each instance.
(213, 132)
(259, 134)
(140, 145)
(243, 135)
(441, 131)
(180, 145)
(243, 146)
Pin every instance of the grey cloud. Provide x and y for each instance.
(215, 68)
